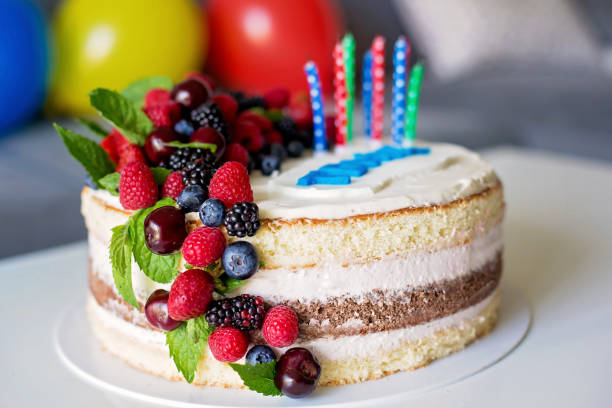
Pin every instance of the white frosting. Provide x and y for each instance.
(448, 173)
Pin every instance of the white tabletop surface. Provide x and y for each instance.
(558, 235)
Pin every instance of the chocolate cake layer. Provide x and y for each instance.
(374, 312)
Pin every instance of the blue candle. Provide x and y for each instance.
(366, 89)
(316, 101)
(398, 104)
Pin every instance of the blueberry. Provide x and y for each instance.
(240, 260)
(184, 128)
(278, 150)
(191, 198)
(212, 212)
(270, 163)
(260, 355)
(89, 182)
(295, 148)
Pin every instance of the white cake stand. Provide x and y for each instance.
(80, 352)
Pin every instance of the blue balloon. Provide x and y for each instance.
(24, 62)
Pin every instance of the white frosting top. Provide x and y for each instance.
(448, 173)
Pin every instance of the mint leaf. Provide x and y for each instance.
(193, 145)
(136, 91)
(117, 109)
(121, 261)
(159, 268)
(93, 127)
(224, 284)
(160, 174)
(258, 377)
(110, 182)
(87, 152)
(186, 344)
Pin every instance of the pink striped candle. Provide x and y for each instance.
(340, 95)
(378, 87)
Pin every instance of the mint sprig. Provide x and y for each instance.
(110, 183)
(121, 260)
(160, 174)
(94, 158)
(224, 284)
(136, 91)
(193, 145)
(186, 344)
(93, 127)
(117, 109)
(258, 377)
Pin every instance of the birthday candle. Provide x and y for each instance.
(378, 90)
(366, 95)
(348, 53)
(401, 54)
(412, 103)
(316, 101)
(340, 95)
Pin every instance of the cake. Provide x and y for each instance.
(386, 257)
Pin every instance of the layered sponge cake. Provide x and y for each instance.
(388, 272)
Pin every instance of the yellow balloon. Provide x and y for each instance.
(110, 43)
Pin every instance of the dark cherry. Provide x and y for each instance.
(209, 135)
(165, 230)
(190, 93)
(297, 373)
(155, 145)
(156, 310)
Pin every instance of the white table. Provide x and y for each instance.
(558, 254)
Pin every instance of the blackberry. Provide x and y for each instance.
(179, 159)
(200, 171)
(251, 102)
(242, 219)
(287, 127)
(209, 114)
(244, 312)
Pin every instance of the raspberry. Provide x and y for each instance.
(163, 114)
(227, 105)
(242, 220)
(173, 185)
(277, 98)
(132, 153)
(273, 136)
(228, 344)
(137, 188)
(280, 327)
(244, 312)
(108, 144)
(203, 246)
(262, 122)
(121, 143)
(156, 96)
(231, 184)
(190, 294)
(235, 152)
(247, 133)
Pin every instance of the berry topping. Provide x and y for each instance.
(200, 171)
(173, 186)
(209, 114)
(280, 327)
(297, 373)
(191, 198)
(228, 344)
(209, 135)
(155, 145)
(261, 122)
(130, 154)
(248, 134)
(205, 79)
(269, 164)
(156, 96)
(184, 128)
(137, 187)
(242, 219)
(244, 312)
(165, 230)
(156, 311)
(163, 114)
(246, 103)
(273, 136)
(231, 184)
(240, 260)
(190, 93)
(203, 246)
(286, 126)
(261, 354)
(277, 98)
(278, 150)
(235, 152)
(295, 148)
(228, 106)
(190, 294)
(212, 212)
(179, 159)
(108, 144)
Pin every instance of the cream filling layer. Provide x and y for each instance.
(395, 274)
(334, 349)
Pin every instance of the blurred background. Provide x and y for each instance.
(534, 73)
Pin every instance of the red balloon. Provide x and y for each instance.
(257, 45)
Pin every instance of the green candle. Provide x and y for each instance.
(412, 103)
(348, 48)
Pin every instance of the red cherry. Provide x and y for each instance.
(191, 93)
(165, 230)
(209, 135)
(155, 145)
(156, 311)
(228, 106)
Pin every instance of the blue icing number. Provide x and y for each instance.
(340, 173)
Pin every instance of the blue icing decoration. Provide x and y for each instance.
(340, 173)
